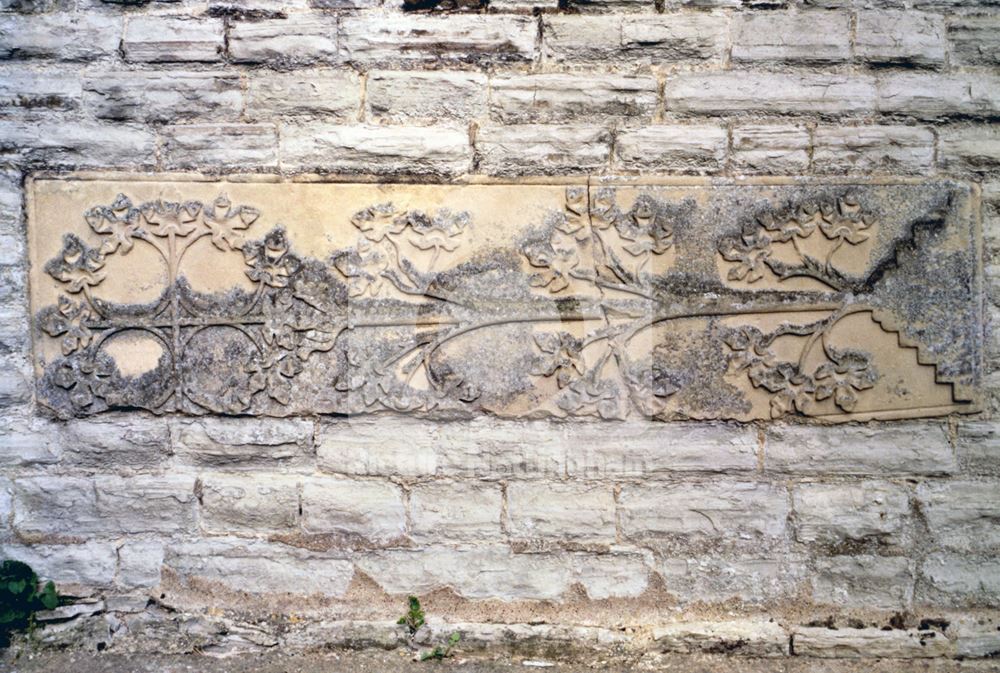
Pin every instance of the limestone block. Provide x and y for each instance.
(547, 98)
(404, 97)
(975, 636)
(687, 148)
(139, 563)
(370, 510)
(643, 39)
(561, 511)
(978, 446)
(540, 149)
(899, 448)
(409, 40)
(25, 444)
(956, 579)
(973, 149)
(722, 508)
(771, 93)
(48, 89)
(834, 513)
(962, 514)
(900, 38)
(76, 144)
(873, 149)
(750, 580)
(766, 148)
(975, 40)
(166, 39)
(243, 146)
(296, 40)
(751, 638)
(243, 442)
(65, 37)
(164, 504)
(455, 510)
(870, 643)
(932, 96)
(11, 203)
(259, 568)
(113, 442)
(819, 37)
(873, 582)
(250, 503)
(322, 94)
(90, 564)
(375, 149)
(164, 96)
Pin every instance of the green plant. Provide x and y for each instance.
(414, 617)
(442, 651)
(20, 598)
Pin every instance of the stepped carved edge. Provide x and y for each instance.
(385, 325)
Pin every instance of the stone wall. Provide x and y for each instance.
(219, 534)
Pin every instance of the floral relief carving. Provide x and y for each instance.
(387, 323)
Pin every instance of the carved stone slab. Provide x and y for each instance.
(616, 299)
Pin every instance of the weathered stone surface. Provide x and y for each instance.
(646, 39)
(873, 149)
(547, 98)
(322, 94)
(834, 513)
(975, 40)
(975, 636)
(806, 37)
(455, 510)
(760, 148)
(870, 643)
(405, 97)
(335, 322)
(956, 579)
(540, 149)
(89, 564)
(76, 38)
(258, 568)
(410, 40)
(367, 149)
(163, 39)
(774, 93)
(718, 509)
(25, 444)
(245, 146)
(77, 144)
(929, 96)
(248, 503)
(863, 450)
(900, 38)
(880, 582)
(975, 148)
(354, 509)
(962, 514)
(751, 638)
(139, 563)
(296, 40)
(239, 443)
(978, 447)
(22, 89)
(747, 580)
(113, 442)
(164, 96)
(687, 148)
(566, 512)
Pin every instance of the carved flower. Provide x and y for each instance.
(69, 320)
(574, 219)
(372, 385)
(784, 228)
(647, 230)
(225, 223)
(848, 371)
(273, 374)
(750, 251)
(584, 396)
(269, 261)
(78, 265)
(557, 258)
(118, 224)
(171, 219)
(649, 388)
(845, 222)
(86, 378)
(562, 356)
(747, 344)
(363, 269)
(379, 221)
(440, 233)
(279, 322)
